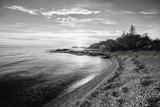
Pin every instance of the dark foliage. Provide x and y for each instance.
(155, 45)
(153, 102)
(129, 41)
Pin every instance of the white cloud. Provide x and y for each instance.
(109, 22)
(53, 13)
(106, 21)
(152, 12)
(129, 12)
(114, 12)
(20, 8)
(63, 12)
(73, 22)
(121, 12)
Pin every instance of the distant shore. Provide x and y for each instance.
(89, 52)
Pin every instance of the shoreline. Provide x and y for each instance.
(68, 99)
(135, 83)
(23, 89)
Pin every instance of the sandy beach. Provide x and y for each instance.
(136, 83)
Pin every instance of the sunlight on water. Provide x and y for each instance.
(28, 69)
(34, 61)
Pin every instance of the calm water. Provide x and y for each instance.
(32, 76)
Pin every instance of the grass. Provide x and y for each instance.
(158, 88)
(112, 86)
(115, 94)
(139, 66)
(86, 104)
(120, 102)
(125, 89)
(112, 79)
(146, 83)
(94, 94)
(153, 102)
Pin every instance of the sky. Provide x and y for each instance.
(66, 23)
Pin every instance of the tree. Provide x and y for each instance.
(94, 46)
(111, 45)
(155, 45)
(124, 33)
(128, 41)
(132, 30)
(144, 41)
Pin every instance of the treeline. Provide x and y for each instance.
(129, 41)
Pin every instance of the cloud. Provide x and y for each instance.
(13, 25)
(64, 12)
(53, 13)
(20, 8)
(128, 12)
(102, 1)
(121, 12)
(73, 22)
(106, 21)
(152, 12)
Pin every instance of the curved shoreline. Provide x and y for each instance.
(69, 98)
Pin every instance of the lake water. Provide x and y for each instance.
(33, 77)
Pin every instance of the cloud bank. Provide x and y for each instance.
(53, 12)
